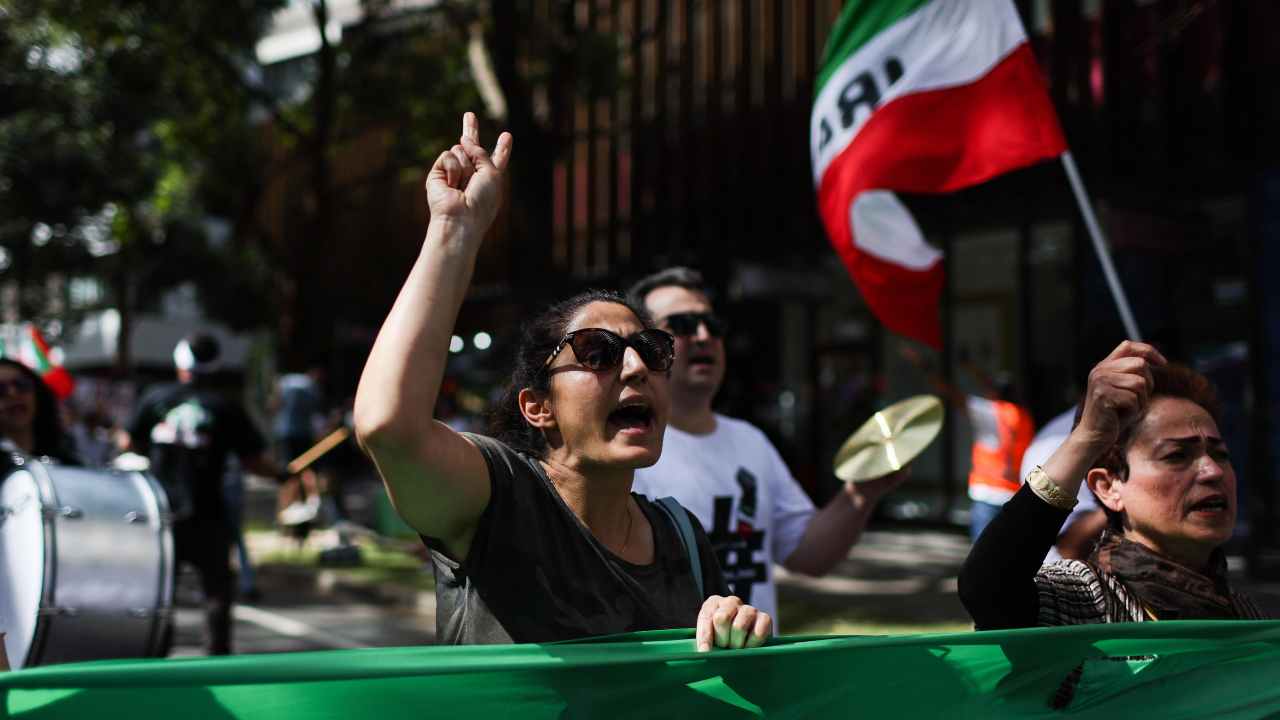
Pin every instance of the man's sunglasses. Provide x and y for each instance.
(598, 349)
(687, 323)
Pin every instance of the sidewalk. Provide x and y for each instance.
(894, 581)
(279, 559)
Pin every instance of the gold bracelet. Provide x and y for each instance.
(1047, 490)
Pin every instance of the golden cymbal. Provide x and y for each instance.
(889, 440)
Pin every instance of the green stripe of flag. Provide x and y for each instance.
(860, 21)
(38, 351)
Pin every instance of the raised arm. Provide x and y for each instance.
(997, 582)
(437, 480)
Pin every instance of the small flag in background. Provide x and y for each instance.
(923, 96)
(55, 376)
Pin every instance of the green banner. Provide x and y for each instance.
(1168, 670)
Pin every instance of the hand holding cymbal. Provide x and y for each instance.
(889, 440)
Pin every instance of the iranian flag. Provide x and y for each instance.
(921, 97)
(38, 356)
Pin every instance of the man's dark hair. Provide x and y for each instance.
(540, 337)
(204, 347)
(1172, 381)
(678, 276)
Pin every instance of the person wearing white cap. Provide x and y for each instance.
(189, 431)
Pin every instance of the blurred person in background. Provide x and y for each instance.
(299, 415)
(233, 489)
(1002, 431)
(30, 420)
(189, 430)
(91, 433)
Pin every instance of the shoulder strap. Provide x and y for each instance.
(1246, 608)
(680, 518)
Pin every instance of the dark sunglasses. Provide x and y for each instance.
(17, 386)
(598, 349)
(687, 323)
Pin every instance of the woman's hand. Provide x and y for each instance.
(727, 623)
(465, 183)
(1118, 392)
(872, 490)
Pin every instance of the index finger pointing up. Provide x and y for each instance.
(470, 127)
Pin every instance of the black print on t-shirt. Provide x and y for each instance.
(747, 481)
(735, 549)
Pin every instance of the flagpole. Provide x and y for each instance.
(1100, 246)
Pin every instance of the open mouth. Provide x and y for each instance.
(1211, 504)
(632, 415)
(702, 360)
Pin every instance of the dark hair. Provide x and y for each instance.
(1005, 388)
(678, 276)
(46, 432)
(538, 339)
(1172, 381)
(204, 347)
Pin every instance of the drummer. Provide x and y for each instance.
(726, 472)
(189, 431)
(29, 418)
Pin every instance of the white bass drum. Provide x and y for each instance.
(86, 563)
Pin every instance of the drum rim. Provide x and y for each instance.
(168, 564)
(48, 502)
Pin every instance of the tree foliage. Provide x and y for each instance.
(106, 109)
(126, 125)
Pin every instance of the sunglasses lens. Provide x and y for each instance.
(16, 386)
(686, 324)
(599, 350)
(596, 349)
(683, 324)
(656, 348)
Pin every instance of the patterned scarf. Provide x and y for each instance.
(1166, 589)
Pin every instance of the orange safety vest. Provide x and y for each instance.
(997, 468)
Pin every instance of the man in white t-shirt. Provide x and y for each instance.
(727, 473)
